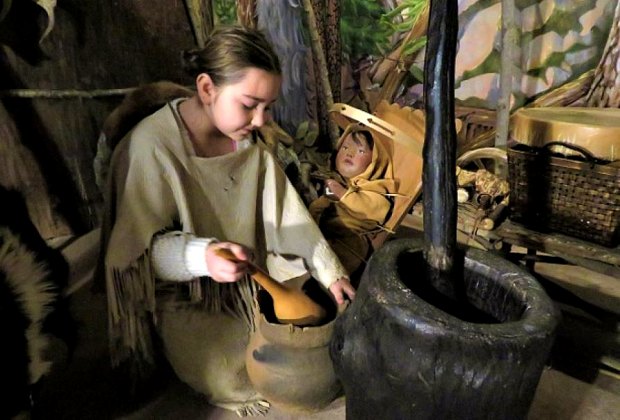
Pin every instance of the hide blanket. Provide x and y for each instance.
(32, 278)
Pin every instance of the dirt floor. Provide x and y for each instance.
(581, 383)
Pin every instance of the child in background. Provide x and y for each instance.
(358, 203)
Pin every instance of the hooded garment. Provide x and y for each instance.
(363, 208)
(158, 183)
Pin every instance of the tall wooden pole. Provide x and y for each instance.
(439, 153)
(508, 70)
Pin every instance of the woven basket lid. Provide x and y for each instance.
(594, 129)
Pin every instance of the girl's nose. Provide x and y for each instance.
(258, 118)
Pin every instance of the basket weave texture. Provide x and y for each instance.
(577, 198)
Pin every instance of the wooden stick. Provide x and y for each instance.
(66, 93)
(63, 93)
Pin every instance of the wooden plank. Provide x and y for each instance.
(598, 289)
(555, 243)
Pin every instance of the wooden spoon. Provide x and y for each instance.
(291, 306)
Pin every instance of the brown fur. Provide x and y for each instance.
(141, 102)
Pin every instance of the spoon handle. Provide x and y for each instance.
(261, 277)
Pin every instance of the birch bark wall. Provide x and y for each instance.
(93, 45)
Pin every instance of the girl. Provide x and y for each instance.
(190, 179)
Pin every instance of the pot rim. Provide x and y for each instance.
(293, 336)
(539, 317)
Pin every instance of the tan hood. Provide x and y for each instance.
(379, 175)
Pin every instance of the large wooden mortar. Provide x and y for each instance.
(405, 351)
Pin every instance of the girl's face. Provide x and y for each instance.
(353, 157)
(237, 109)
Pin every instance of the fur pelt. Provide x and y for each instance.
(138, 104)
(33, 277)
(27, 299)
(27, 281)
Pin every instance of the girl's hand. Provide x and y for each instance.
(341, 288)
(223, 270)
(335, 187)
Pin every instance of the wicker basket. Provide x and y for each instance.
(574, 197)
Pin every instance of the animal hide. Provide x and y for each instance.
(26, 278)
(26, 299)
(32, 306)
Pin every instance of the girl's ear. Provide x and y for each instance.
(205, 88)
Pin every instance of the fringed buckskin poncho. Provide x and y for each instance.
(363, 208)
(158, 182)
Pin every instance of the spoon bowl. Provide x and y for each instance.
(291, 306)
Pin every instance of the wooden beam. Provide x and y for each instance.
(201, 18)
(555, 243)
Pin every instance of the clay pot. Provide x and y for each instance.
(290, 366)
(403, 351)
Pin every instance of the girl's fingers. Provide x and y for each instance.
(239, 251)
(227, 270)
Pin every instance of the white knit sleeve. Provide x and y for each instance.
(179, 256)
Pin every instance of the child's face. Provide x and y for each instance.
(239, 108)
(354, 156)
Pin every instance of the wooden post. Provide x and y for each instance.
(439, 173)
(510, 37)
(323, 76)
(201, 18)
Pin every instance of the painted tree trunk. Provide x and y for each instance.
(604, 91)
(333, 50)
(321, 81)
(439, 154)
(324, 94)
(246, 13)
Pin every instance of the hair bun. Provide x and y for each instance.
(191, 61)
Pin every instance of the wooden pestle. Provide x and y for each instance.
(439, 153)
(291, 306)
